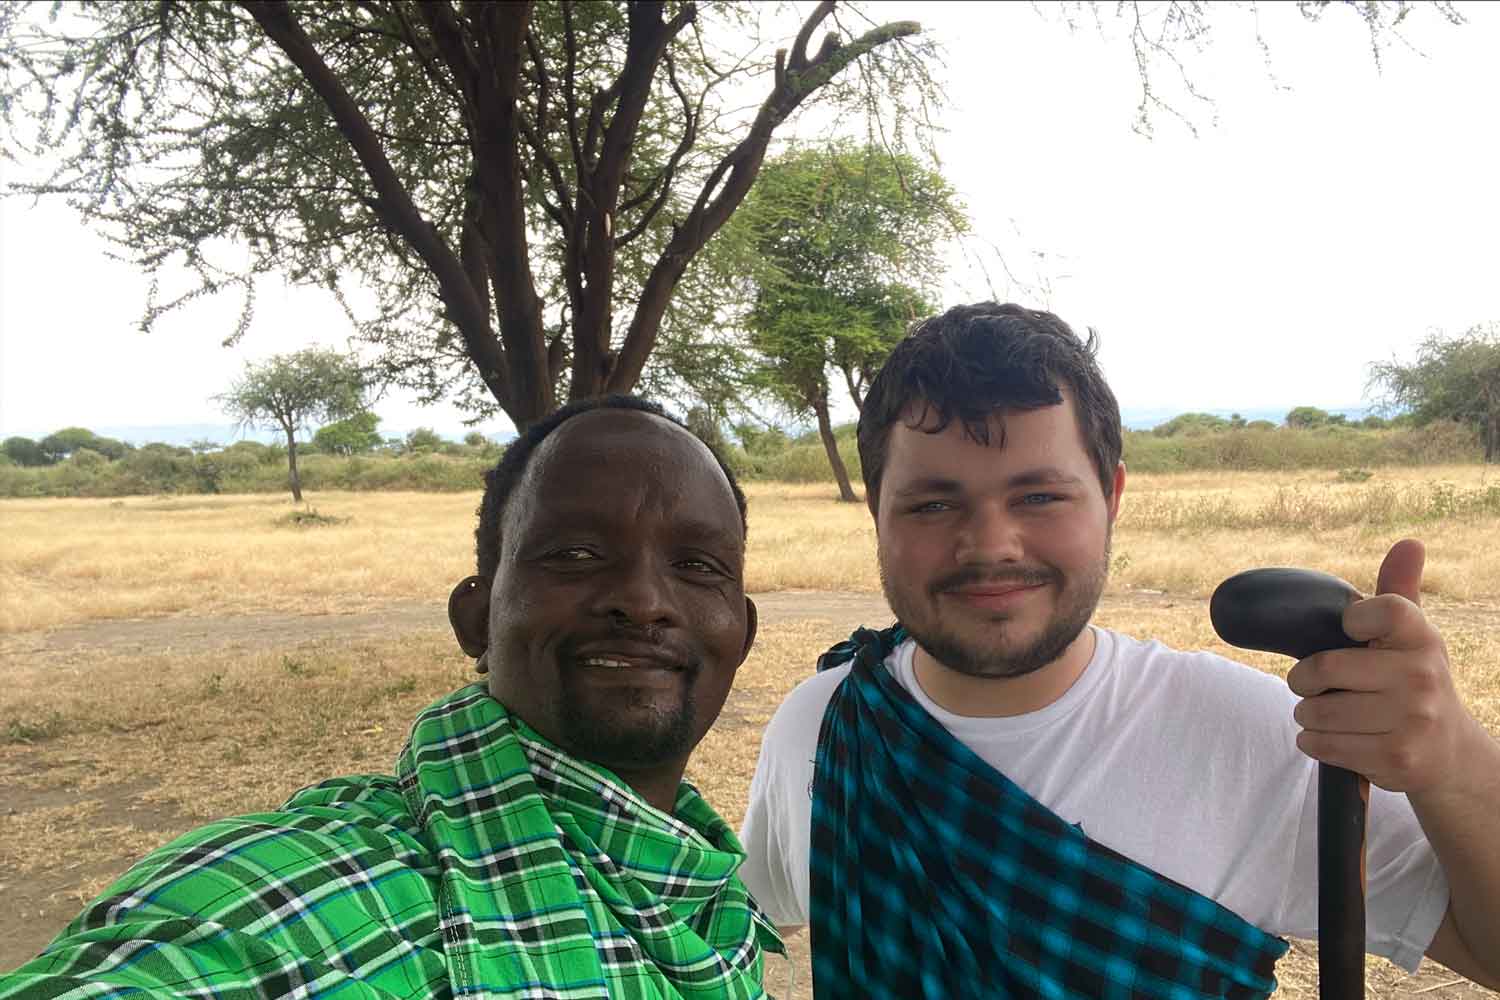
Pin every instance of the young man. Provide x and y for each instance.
(536, 839)
(994, 798)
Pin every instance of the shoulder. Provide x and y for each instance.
(1203, 673)
(790, 740)
(329, 835)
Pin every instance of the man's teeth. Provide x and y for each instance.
(603, 661)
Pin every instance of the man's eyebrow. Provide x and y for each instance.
(942, 485)
(1044, 476)
(928, 485)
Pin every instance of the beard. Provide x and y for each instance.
(636, 727)
(992, 644)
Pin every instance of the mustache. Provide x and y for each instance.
(1010, 576)
(570, 649)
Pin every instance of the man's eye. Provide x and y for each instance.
(931, 507)
(699, 566)
(1036, 499)
(573, 553)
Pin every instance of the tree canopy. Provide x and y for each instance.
(1451, 378)
(522, 187)
(841, 252)
(291, 391)
(500, 175)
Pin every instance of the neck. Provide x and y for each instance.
(657, 786)
(997, 697)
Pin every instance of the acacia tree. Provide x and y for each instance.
(500, 174)
(290, 391)
(839, 252)
(1451, 378)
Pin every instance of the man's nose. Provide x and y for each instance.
(639, 591)
(990, 533)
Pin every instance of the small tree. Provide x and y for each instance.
(353, 435)
(25, 451)
(289, 391)
(423, 439)
(1452, 378)
(60, 444)
(840, 248)
(1310, 416)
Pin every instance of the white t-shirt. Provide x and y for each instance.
(1183, 762)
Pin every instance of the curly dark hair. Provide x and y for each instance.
(501, 481)
(973, 360)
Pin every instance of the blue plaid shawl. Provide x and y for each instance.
(933, 875)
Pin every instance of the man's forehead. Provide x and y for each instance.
(595, 435)
(635, 444)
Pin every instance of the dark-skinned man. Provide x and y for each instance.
(536, 839)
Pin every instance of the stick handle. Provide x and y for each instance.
(1342, 800)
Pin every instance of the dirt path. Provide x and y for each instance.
(180, 634)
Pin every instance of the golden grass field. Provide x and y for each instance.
(105, 754)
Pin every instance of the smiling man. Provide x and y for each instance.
(995, 798)
(536, 839)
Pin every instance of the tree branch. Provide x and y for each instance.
(392, 204)
(730, 180)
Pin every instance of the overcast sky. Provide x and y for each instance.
(1320, 220)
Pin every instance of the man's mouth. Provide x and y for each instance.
(626, 656)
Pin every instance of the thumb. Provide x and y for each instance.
(1401, 570)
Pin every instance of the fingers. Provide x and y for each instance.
(1401, 570)
(1388, 621)
(1402, 672)
(1351, 712)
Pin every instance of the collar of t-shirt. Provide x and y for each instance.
(964, 727)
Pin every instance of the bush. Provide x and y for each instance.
(24, 451)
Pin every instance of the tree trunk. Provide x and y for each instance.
(825, 431)
(291, 461)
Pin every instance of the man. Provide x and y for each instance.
(536, 839)
(995, 799)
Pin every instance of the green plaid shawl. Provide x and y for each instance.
(492, 865)
(935, 876)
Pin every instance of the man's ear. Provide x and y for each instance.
(752, 622)
(469, 614)
(1114, 497)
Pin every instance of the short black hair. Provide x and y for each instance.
(500, 481)
(974, 360)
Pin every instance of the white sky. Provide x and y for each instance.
(1329, 219)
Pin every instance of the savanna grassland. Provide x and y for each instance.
(290, 643)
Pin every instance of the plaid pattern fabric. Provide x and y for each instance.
(491, 865)
(933, 875)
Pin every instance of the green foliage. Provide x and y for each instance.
(837, 252)
(289, 391)
(1311, 416)
(1451, 378)
(757, 440)
(423, 439)
(474, 439)
(1192, 423)
(354, 435)
(25, 452)
(587, 151)
(1329, 447)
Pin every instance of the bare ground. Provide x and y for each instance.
(37, 908)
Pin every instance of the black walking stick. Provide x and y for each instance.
(1299, 612)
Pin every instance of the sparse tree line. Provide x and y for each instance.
(424, 460)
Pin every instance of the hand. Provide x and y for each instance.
(1388, 711)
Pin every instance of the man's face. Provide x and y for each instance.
(618, 614)
(994, 557)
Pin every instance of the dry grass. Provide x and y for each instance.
(102, 759)
(69, 561)
(106, 760)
